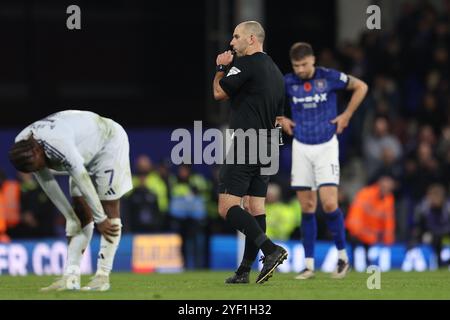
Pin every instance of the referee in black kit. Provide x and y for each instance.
(255, 87)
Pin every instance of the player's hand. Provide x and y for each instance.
(225, 58)
(341, 122)
(287, 125)
(108, 230)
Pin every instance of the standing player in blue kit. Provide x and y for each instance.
(311, 92)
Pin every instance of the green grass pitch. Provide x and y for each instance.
(209, 285)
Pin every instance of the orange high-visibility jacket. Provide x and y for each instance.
(2, 215)
(3, 236)
(371, 218)
(10, 203)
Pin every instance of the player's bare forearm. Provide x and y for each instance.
(359, 89)
(219, 94)
(83, 181)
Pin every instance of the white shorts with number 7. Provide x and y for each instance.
(110, 169)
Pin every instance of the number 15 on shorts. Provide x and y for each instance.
(335, 170)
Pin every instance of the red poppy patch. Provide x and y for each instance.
(307, 86)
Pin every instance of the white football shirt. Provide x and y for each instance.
(71, 139)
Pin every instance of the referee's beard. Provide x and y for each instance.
(239, 52)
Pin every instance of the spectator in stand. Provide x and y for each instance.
(389, 163)
(430, 113)
(428, 171)
(165, 174)
(432, 220)
(153, 181)
(282, 219)
(188, 212)
(141, 210)
(37, 213)
(375, 143)
(444, 143)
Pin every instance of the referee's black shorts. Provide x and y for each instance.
(240, 180)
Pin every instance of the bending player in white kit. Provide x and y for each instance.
(94, 151)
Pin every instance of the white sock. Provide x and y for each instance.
(76, 247)
(342, 254)
(108, 251)
(309, 262)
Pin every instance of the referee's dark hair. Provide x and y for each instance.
(300, 50)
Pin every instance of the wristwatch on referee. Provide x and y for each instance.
(221, 68)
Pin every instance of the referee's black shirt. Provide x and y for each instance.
(256, 89)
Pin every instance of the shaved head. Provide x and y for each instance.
(248, 38)
(253, 28)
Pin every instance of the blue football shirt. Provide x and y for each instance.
(313, 103)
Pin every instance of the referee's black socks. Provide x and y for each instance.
(251, 250)
(247, 224)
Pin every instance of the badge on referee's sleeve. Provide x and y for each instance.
(233, 71)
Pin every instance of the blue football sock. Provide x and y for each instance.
(309, 233)
(335, 223)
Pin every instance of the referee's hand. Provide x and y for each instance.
(225, 58)
(287, 125)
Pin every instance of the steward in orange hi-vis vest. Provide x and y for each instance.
(11, 202)
(9, 207)
(371, 217)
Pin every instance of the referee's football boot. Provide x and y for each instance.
(342, 268)
(243, 277)
(270, 263)
(305, 274)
